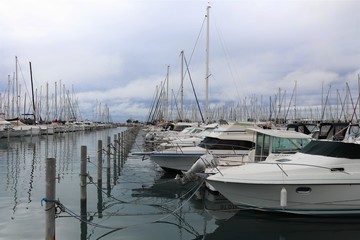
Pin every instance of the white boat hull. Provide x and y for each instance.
(175, 162)
(301, 198)
(313, 184)
(183, 161)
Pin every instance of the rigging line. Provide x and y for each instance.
(325, 104)
(354, 108)
(23, 78)
(176, 105)
(151, 109)
(197, 40)
(187, 68)
(227, 59)
(158, 103)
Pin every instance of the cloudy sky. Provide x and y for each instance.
(116, 52)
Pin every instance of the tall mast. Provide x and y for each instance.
(207, 66)
(8, 101)
(182, 86)
(47, 103)
(359, 90)
(17, 87)
(167, 117)
(32, 92)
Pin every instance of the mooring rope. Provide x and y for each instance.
(63, 208)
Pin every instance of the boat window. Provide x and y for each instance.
(324, 131)
(354, 130)
(312, 127)
(179, 128)
(262, 147)
(224, 144)
(288, 145)
(303, 190)
(339, 133)
(283, 160)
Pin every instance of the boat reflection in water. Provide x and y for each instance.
(249, 224)
(235, 223)
(218, 218)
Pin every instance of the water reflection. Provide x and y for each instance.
(257, 225)
(139, 202)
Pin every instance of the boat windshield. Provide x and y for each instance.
(266, 144)
(288, 145)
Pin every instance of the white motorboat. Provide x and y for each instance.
(189, 137)
(322, 179)
(269, 144)
(169, 131)
(226, 140)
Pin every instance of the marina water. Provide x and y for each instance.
(139, 202)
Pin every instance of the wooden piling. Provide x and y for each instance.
(83, 174)
(108, 150)
(99, 161)
(83, 193)
(122, 148)
(119, 152)
(50, 196)
(99, 191)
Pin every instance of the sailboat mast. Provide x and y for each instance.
(182, 86)
(207, 66)
(17, 87)
(32, 92)
(167, 117)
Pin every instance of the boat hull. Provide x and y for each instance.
(175, 162)
(311, 199)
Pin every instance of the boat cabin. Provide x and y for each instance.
(306, 128)
(332, 131)
(276, 143)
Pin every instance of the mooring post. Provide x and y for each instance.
(122, 149)
(99, 182)
(119, 152)
(83, 207)
(125, 143)
(99, 162)
(108, 151)
(114, 161)
(50, 195)
(108, 166)
(83, 173)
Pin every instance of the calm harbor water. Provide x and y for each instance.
(140, 202)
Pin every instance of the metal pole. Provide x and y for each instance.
(50, 195)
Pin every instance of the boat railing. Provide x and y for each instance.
(230, 147)
(282, 162)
